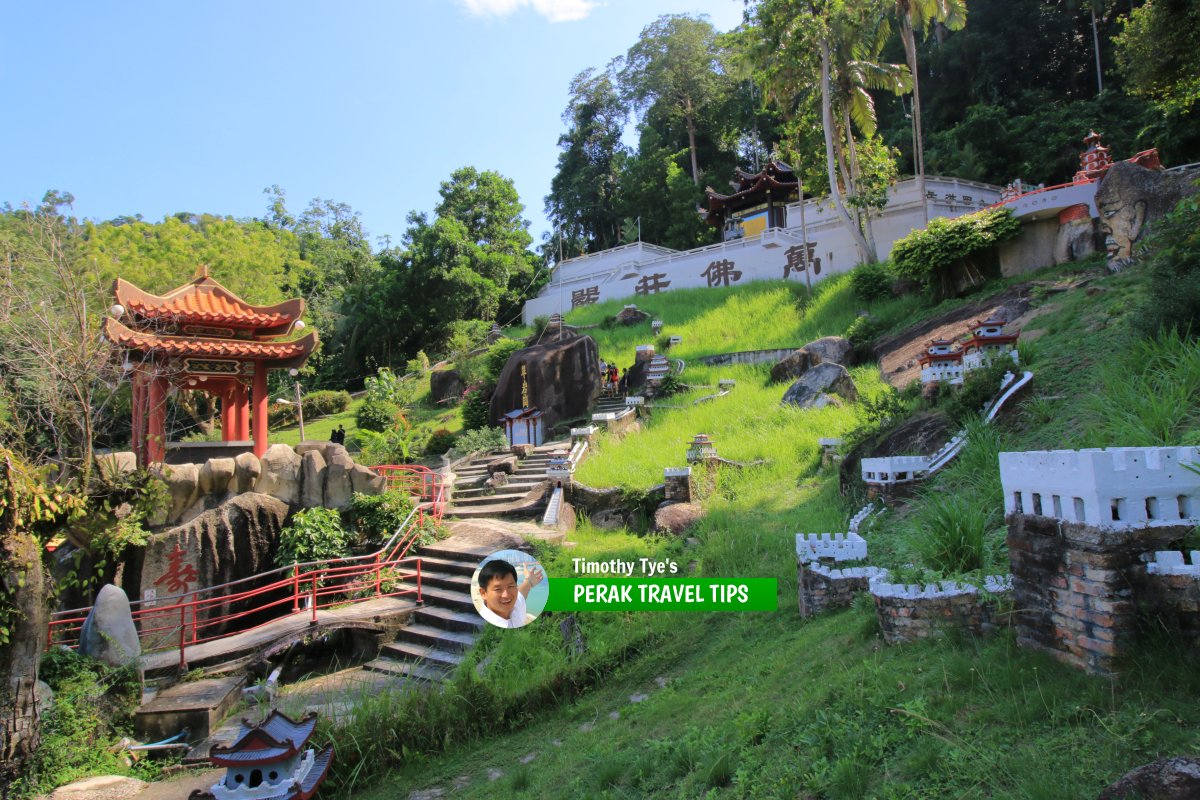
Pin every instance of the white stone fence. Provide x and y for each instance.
(635, 400)
(894, 469)
(1171, 562)
(858, 519)
(996, 584)
(1117, 488)
(838, 546)
(848, 573)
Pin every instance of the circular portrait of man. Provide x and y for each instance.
(509, 589)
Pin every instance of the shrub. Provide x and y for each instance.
(872, 281)
(979, 387)
(669, 385)
(497, 356)
(952, 533)
(928, 255)
(388, 387)
(862, 334)
(478, 439)
(314, 534)
(1171, 256)
(439, 442)
(476, 408)
(377, 517)
(377, 415)
(396, 445)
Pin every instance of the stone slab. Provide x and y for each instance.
(198, 706)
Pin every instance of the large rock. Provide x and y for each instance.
(1131, 199)
(280, 476)
(312, 479)
(563, 379)
(183, 487)
(247, 470)
(1175, 778)
(238, 539)
(677, 518)
(108, 633)
(921, 434)
(830, 349)
(365, 481)
(446, 385)
(338, 488)
(632, 315)
(815, 388)
(216, 475)
(116, 463)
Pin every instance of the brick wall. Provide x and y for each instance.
(907, 614)
(821, 587)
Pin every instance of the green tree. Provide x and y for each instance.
(677, 66)
(1158, 51)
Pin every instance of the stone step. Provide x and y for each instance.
(429, 636)
(407, 669)
(487, 500)
(447, 598)
(523, 512)
(420, 654)
(468, 555)
(450, 620)
(512, 488)
(444, 580)
(454, 566)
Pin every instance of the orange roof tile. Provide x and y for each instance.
(121, 336)
(205, 300)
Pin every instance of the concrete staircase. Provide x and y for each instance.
(524, 496)
(607, 405)
(444, 627)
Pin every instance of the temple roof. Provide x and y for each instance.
(284, 354)
(205, 301)
(750, 189)
(274, 739)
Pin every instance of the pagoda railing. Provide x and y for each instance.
(183, 620)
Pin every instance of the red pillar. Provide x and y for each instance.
(259, 401)
(228, 414)
(243, 405)
(156, 419)
(138, 402)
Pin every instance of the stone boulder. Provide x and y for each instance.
(1175, 778)
(522, 450)
(238, 539)
(563, 378)
(830, 349)
(632, 315)
(503, 464)
(116, 463)
(1131, 199)
(338, 489)
(312, 479)
(247, 470)
(183, 487)
(816, 388)
(677, 518)
(365, 481)
(108, 633)
(446, 385)
(280, 476)
(217, 475)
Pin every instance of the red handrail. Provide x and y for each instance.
(344, 581)
(419, 481)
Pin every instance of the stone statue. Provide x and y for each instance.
(1131, 198)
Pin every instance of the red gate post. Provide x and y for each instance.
(182, 638)
(295, 587)
(313, 602)
(378, 575)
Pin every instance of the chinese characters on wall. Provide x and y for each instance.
(651, 284)
(585, 297)
(721, 273)
(796, 261)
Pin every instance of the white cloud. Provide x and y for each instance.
(552, 10)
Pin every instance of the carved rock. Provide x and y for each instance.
(216, 475)
(833, 349)
(563, 378)
(1130, 199)
(108, 633)
(280, 474)
(813, 390)
(338, 489)
(312, 479)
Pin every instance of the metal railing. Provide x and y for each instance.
(418, 481)
(204, 615)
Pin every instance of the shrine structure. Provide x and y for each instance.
(759, 201)
(268, 761)
(202, 337)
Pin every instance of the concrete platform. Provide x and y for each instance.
(198, 706)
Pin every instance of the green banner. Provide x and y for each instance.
(663, 594)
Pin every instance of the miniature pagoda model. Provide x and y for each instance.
(202, 337)
(947, 360)
(758, 203)
(268, 762)
(524, 425)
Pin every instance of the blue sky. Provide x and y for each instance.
(159, 107)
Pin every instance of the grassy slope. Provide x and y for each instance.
(772, 706)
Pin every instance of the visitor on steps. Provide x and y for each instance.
(503, 600)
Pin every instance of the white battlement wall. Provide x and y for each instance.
(887, 470)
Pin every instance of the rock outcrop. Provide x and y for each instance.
(632, 315)
(312, 479)
(562, 376)
(108, 634)
(1130, 199)
(445, 385)
(677, 518)
(830, 349)
(1175, 778)
(280, 476)
(819, 385)
(338, 489)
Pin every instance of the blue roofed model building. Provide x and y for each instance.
(268, 761)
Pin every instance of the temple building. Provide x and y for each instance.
(268, 762)
(759, 202)
(202, 337)
(987, 342)
(942, 362)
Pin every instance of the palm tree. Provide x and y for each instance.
(916, 15)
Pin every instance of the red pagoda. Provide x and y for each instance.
(202, 337)
(268, 762)
(759, 201)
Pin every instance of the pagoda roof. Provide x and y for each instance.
(205, 301)
(284, 354)
(751, 188)
(274, 739)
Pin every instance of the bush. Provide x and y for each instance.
(314, 534)
(376, 517)
(388, 387)
(396, 445)
(1171, 256)
(377, 415)
(439, 442)
(476, 407)
(978, 389)
(862, 334)
(316, 404)
(479, 439)
(668, 386)
(872, 281)
(953, 533)
(928, 255)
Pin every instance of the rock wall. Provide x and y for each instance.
(563, 377)
(821, 587)
(911, 613)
